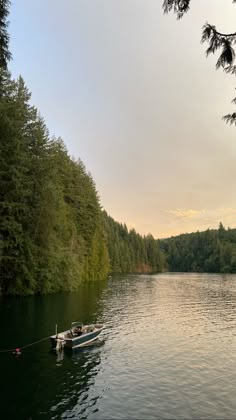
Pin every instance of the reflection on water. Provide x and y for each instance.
(168, 351)
(64, 353)
(82, 367)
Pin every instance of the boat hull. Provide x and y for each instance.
(75, 342)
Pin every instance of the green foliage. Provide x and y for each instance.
(5, 54)
(129, 252)
(212, 251)
(53, 233)
(51, 229)
(15, 188)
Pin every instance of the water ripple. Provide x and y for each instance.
(168, 352)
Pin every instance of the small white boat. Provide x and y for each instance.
(77, 336)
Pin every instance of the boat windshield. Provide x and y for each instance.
(76, 325)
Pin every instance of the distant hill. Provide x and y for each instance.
(211, 251)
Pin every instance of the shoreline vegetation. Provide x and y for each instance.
(211, 251)
(53, 231)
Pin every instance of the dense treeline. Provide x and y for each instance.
(212, 251)
(51, 226)
(130, 252)
(53, 233)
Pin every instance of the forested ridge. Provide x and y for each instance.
(130, 252)
(212, 251)
(53, 232)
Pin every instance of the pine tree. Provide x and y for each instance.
(15, 187)
(5, 54)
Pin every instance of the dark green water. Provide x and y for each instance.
(168, 351)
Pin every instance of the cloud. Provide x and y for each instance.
(190, 220)
(185, 214)
(226, 211)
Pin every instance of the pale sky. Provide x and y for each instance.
(132, 94)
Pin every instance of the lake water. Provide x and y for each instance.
(168, 351)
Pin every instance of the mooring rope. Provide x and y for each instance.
(18, 349)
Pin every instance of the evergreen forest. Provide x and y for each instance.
(53, 232)
(212, 251)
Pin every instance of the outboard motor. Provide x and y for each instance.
(60, 344)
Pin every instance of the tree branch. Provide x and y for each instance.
(215, 39)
